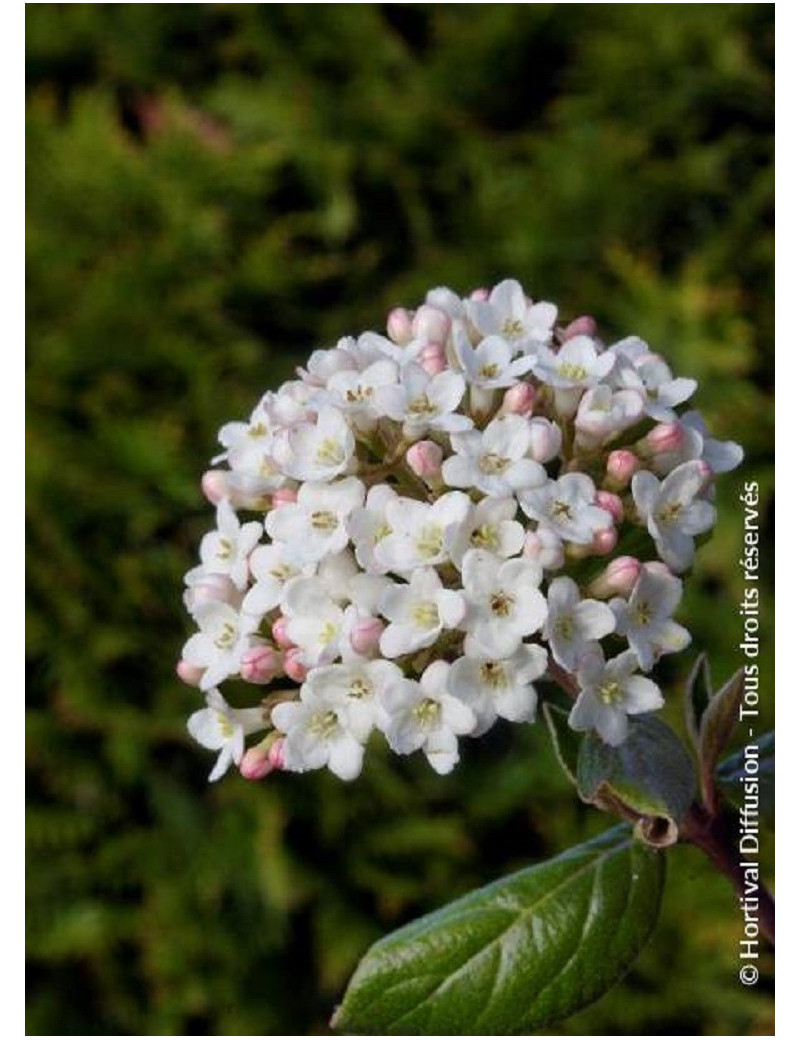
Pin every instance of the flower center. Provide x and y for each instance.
(501, 604)
(422, 406)
(427, 713)
(485, 537)
(425, 615)
(513, 328)
(360, 688)
(643, 613)
(565, 627)
(224, 548)
(226, 636)
(329, 452)
(430, 541)
(225, 726)
(361, 393)
(494, 675)
(283, 572)
(323, 724)
(669, 514)
(383, 530)
(328, 633)
(258, 430)
(561, 512)
(489, 371)
(493, 464)
(324, 520)
(569, 370)
(611, 692)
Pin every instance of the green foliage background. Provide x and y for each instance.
(213, 190)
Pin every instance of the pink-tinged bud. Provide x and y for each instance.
(398, 326)
(189, 673)
(705, 471)
(545, 547)
(605, 541)
(280, 632)
(481, 294)
(618, 579)
(255, 763)
(215, 485)
(424, 459)
(518, 400)
(432, 358)
(612, 504)
(430, 323)
(365, 636)
(211, 588)
(665, 437)
(583, 326)
(260, 664)
(545, 439)
(284, 497)
(277, 754)
(293, 666)
(621, 466)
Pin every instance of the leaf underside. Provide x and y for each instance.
(516, 955)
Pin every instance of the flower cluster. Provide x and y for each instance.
(424, 524)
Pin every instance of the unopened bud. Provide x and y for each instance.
(260, 664)
(277, 753)
(621, 466)
(424, 459)
(293, 666)
(284, 497)
(211, 588)
(545, 439)
(518, 400)
(255, 763)
(398, 326)
(481, 294)
(432, 358)
(583, 326)
(365, 636)
(189, 673)
(215, 485)
(430, 323)
(665, 437)
(618, 579)
(545, 547)
(280, 632)
(605, 541)
(612, 504)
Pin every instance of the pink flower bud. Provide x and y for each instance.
(705, 471)
(215, 485)
(284, 497)
(545, 439)
(255, 763)
(424, 459)
(260, 664)
(621, 466)
(280, 632)
(211, 588)
(605, 541)
(398, 326)
(430, 323)
(518, 400)
(432, 358)
(583, 326)
(612, 504)
(545, 547)
(481, 294)
(189, 673)
(365, 636)
(293, 666)
(277, 754)
(665, 437)
(618, 579)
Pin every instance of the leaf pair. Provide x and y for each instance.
(516, 955)
(711, 719)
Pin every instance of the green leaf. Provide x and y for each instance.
(697, 695)
(650, 775)
(719, 720)
(566, 742)
(734, 772)
(516, 955)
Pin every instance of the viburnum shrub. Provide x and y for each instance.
(418, 537)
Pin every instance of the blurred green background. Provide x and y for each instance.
(213, 191)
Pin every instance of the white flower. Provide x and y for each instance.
(566, 506)
(355, 689)
(489, 365)
(272, 567)
(493, 460)
(651, 377)
(368, 525)
(421, 534)
(489, 525)
(572, 623)
(673, 512)
(721, 456)
(609, 692)
(317, 735)
(505, 602)
(315, 621)
(314, 525)
(225, 551)
(319, 451)
(219, 727)
(354, 393)
(499, 688)
(418, 612)
(646, 618)
(425, 715)
(218, 647)
(603, 413)
(545, 547)
(508, 313)
(422, 402)
(577, 365)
